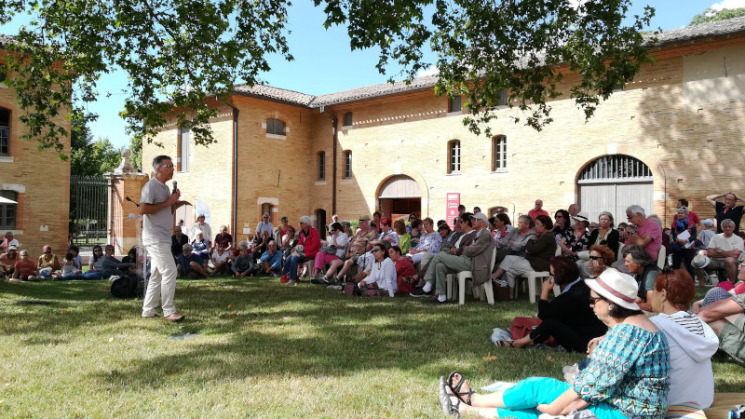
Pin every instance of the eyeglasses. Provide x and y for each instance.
(167, 166)
(596, 257)
(595, 299)
(375, 250)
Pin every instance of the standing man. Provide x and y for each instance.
(727, 210)
(157, 203)
(648, 233)
(537, 210)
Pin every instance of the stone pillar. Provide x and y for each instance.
(124, 183)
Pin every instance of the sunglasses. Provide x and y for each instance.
(595, 299)
(376, 250)
(596, 257)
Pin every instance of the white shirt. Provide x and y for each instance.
(384, 274)
(262, 226)
(156, 228)
(725, 244)
(205, 229)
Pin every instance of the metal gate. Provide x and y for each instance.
(613, 183)
(89, 202)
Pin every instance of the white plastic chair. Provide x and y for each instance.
(661, 258)
(463, 275)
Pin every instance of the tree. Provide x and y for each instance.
(177, 53)
(711, 15)
(135, 146)
(90, 158)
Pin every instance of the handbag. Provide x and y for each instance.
(522, 326)
(331, 250)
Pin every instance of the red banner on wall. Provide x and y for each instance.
(453, 201)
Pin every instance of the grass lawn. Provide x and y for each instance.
(70, 350)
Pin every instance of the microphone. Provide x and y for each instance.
(175, 186)
(130, 200)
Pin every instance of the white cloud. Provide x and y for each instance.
(728, 4)
(431, 71)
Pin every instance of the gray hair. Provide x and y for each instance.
(306, 220)
(609, 215)
(526, 218)
(656, 219)
(639, 255)
(636, 209)
(158, 161)
(727, 222)
(243, 245)
(187, 246)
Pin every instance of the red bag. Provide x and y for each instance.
(522, 326)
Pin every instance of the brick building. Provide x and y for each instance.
(675, 131)
(36, 180)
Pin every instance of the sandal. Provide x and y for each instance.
(449, 401)
(505, 344)
(463, 396)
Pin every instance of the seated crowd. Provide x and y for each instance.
(614, 267)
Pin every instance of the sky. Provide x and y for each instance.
(325, 64)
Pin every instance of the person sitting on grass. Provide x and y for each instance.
(190, 264)
(692, 342)
(200, 246)
(178, 240)
(642, 267)
(95, 266)
(311, 245)
(628, 376)
(380, 280)
(244, 263)
(70, 266)
(48, 264)
(112, 266)
(406, 276)
(8, 261)
(220, 258)
(24, 269)
(271, 260)
(567, 317)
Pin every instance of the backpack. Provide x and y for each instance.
(127, 286)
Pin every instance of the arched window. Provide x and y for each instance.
(348, 164)
(454, 156)
(348, 119)
(275, 126)
(499, 153)
(321, 165)
(4, 132)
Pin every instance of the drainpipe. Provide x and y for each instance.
(334, 123)
(234, 209)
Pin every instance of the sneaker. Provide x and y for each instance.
(333, 280)
(285, 279)
(316, 280)
(290, 282)
(435, 301)
(419, 293)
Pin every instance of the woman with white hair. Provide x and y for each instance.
(311, 243)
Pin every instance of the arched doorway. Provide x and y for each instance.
(612, 183)
(400, 196)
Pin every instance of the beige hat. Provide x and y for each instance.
(481, 216)
(616, 287)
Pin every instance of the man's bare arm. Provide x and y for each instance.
(719, 310)
(153, 208)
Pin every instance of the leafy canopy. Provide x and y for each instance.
(88, 157)
(178, 53)
(711, 15)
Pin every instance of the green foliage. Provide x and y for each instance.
(88, 157)
(135, 146)
(485, 48)
(179, 53)
(710, 15)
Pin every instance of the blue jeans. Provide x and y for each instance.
(291, 266)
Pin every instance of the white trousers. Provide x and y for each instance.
(162, 285)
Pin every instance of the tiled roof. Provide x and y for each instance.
(275, 93)
(706, 30)
(671, 37)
